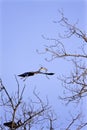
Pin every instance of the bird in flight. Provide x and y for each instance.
(27, 74)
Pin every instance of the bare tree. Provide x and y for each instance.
(76, 122)
(19, 114)
(74, 85)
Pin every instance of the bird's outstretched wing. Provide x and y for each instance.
(47, 73)
(26, 74)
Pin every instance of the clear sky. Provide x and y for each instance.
(22, 24)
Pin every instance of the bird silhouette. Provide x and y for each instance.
(12, 124)
(27, 74)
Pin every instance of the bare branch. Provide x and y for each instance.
(73, 121)
(71, 29)
(75, 85)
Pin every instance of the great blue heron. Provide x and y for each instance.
(27, 74)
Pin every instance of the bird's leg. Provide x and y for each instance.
(47, 77)
(21, 77)
(24, 78)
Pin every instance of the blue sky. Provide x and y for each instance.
(22, 24)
